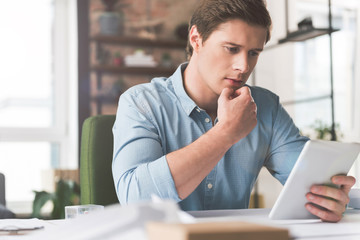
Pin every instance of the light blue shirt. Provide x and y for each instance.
(157, 118)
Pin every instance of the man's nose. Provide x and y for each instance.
(241, 63)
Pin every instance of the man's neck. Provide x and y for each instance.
(199, 92)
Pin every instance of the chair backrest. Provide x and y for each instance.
(4, 212)
(2, 189)
(96, 182)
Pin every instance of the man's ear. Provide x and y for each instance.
(195, 38)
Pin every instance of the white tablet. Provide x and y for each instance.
(317, 163)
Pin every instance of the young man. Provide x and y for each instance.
(201, 136)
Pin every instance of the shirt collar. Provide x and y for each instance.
(178, 82)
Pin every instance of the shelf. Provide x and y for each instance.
(303, 35)
(159, 71)
(135, 41)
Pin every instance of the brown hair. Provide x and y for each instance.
(209, 14)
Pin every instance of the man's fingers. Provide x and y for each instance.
(330, 192)
(243, 90)
(227, 93)
(323, 214)
(245, 94)
(346, 182)
(327, 203)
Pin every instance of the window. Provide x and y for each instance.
(37, 95)
(301, 71)
(312, 68)
(312, 71)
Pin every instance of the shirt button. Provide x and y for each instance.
(209, 186)
(197, 109)
(207, 120)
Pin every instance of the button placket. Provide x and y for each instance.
(203, 119)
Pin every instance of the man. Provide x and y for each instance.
(201, 136)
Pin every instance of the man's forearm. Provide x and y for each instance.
(191, 164)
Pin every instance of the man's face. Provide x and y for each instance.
(228, 56)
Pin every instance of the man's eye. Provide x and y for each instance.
(253, 53)
(232, 49)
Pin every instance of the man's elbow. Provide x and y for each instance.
(129, 192)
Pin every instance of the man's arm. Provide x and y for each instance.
(140, 167)
(333, 200)
(191, 164)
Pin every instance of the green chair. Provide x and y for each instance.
(96, 182)
(2, 189)
(4, 212)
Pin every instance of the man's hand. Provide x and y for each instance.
(237, 112)
(332, 201)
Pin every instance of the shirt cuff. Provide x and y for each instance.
(162, 179)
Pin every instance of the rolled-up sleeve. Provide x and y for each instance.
(285, 147)
(139, 163)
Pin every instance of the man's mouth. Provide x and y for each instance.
(234, 81)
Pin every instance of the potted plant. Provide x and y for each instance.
(323, 130)
(67, 193)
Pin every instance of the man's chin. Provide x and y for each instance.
(236, 87)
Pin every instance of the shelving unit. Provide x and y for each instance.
(135, 41)
(133, 70)
(129, 41)
(299, 36)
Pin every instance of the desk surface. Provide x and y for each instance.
(348, 228)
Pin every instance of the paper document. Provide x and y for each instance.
(115, 222)
(16, 225)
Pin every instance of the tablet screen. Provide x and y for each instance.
(317, 163)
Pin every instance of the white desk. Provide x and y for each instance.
(348, 228)
(24, 235)
(99, 223)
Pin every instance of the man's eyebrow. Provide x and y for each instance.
(238, 45)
